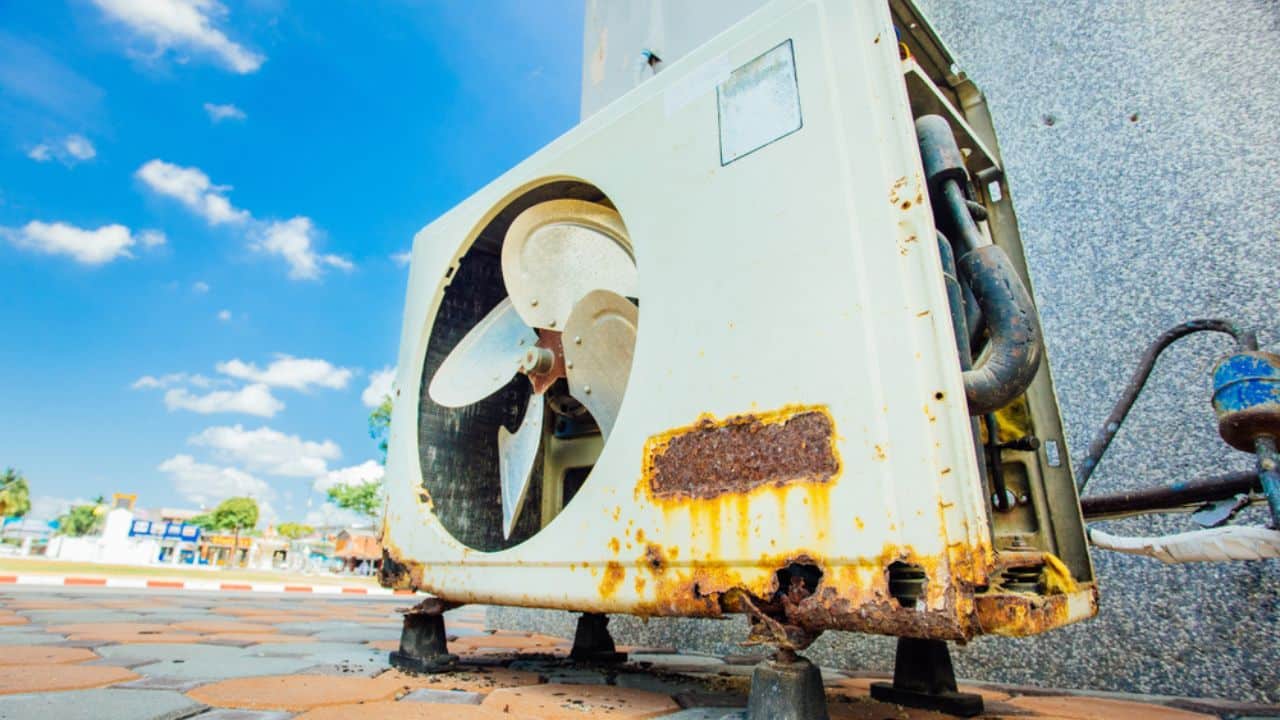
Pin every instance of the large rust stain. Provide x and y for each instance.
(735, 455)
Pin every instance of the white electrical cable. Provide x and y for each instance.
(1233, 542)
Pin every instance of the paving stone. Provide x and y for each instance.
(707, 713)
(220, 668)
(44, 655)
(166, 651)
(311, 627)
(321, 652)
(559, 701)
(7, 619)
(223, 626)
(703, 699)
(293, 692)
(244, 639)
(162, 682)
(1089, 708)
(443, 697)
(352, 669)
(43, 678)
(468, 679)
(233, 714)
(404, 711)
(358, 633)
(97, 704)
(666, 685)
(52, 617)
(7, 639)
(665, 660)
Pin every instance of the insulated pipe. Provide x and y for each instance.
(1234, 542)
(1014, 347)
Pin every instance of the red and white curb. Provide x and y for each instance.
(199, 585)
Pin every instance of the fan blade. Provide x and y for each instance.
(599, 341)
(556, 252)
(516, 454)
(485, 360)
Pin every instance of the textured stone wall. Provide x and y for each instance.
(1142, 143)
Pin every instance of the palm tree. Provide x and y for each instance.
(15, 496)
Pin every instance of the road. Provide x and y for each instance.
(75, 652)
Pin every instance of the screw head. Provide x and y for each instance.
(534, 302)
(577, 339)
(586, 389)
(569, 365)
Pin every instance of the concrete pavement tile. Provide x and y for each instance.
(212, 667)
(861, 687)
(293, 692)
(388, 645)
(562, 702)
(667, 660)
(124, 662)
(7, 639)
(322, 652)
(665, 684)
(233, 714)
(7, 619)
(707, 713)
(309, 627)
(77, 628)
(257, 638)
(868, 709)
(222, 626)
(163, 682)
(443, 697)
(402, 711)
(474, 680)
(1077, 707)
(358, 633)
(44, 678)
(361, 669)
(96, 704)
(704, 699)
(55, 617)
(44, 655)
(126, 637)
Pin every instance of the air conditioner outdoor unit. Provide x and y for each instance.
(697, 356)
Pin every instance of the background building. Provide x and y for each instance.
(1141, 149)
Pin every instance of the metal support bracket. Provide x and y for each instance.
(423, 643)
(923, 677)
(592, 641)
(788, 687)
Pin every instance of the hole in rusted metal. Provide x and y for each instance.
(906, 583)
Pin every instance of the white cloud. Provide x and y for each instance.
(47, 507)
(201, 287)
(192, 188)
(330, 515)
(210, 484)
(253, 399)
(224, 315)
(183, 23)
(380, 386)
(150, 382)
(218, 113)
(268, 451)
(293, 240)
(70, 150)
(79, 147)
(401, 258)
(353, 475)
(288, 371)
(152, 238)
(88, 247)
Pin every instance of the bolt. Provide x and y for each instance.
(552, 323)
(569, 365)
(534, 302)
(577, 339)
(586, 389)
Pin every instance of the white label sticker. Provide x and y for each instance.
(759, 103)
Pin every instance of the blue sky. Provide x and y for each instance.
(201, 208)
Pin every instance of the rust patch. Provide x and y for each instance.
(743, 452)
(613, 577)
(548, 340)
(654, 558)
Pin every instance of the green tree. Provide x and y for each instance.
(15, 496)
(380, 425)
(237, 513)
(293, 531)
(364, 498)
(83, 519)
